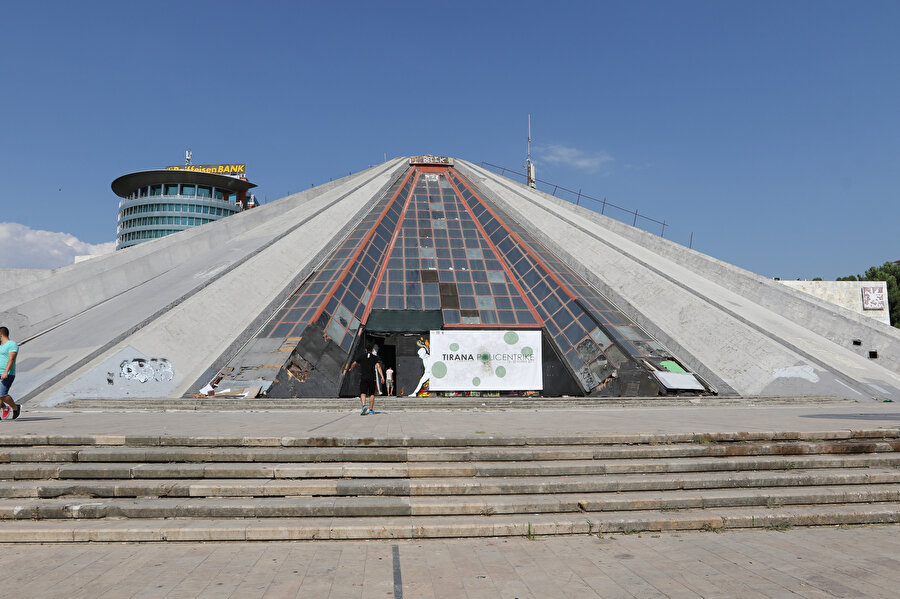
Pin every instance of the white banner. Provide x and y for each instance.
(485, 360)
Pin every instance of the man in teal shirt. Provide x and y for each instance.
(9, 350)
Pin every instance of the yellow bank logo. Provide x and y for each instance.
(224, 169)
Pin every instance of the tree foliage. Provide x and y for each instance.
(889, 272)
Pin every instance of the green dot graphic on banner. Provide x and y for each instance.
(527, 351)
(511, 337)
(501, 371)
(439, 370)
(476, 381)
(454, 347)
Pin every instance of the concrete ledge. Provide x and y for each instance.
(278, 529)
(444, 404)
(429, 470)
(360, 507)
(473, 442)
(362, 487)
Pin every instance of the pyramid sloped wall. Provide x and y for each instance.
(174, 305)
(743, 332)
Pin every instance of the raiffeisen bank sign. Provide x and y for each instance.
(486, 360)
(222, 169)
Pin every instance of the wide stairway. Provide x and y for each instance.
(132, 488)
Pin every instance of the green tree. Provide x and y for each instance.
(889, 272)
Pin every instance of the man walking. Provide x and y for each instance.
(9, 349)
(370, 366)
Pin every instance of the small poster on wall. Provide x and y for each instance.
(485, 360)
(873, 298)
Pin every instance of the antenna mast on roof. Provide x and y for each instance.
(529, 166)
(187, 157)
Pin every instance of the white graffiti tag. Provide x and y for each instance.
(141, 370)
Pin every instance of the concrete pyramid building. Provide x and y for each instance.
(465, 281)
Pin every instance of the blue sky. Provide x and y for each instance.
(768, 130)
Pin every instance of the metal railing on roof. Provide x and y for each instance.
(598, 205)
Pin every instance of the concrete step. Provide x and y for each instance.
(135, 470)
(435, 403)
(443, 486)
(574, 503)
(529, 452)
(416, 527)
(477, 440)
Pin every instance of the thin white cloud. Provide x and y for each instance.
(24, 247)
(573, 157)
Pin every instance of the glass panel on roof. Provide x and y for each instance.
(342, 316)
(631, 332)
(615, 356)
(587, 350)
(600, 338)
(552, 305)
(601, 369)
(335, 331)
(485, 302)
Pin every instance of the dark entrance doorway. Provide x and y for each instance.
(396, 334)
(386, 349)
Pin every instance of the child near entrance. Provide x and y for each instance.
(389, 381)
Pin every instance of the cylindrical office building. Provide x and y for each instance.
(161, 202)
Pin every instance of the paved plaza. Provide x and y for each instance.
(809, 562)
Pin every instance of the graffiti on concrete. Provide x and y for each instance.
(587, 378)
(143, 370)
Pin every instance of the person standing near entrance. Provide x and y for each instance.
(370, 367)
(9, 350)
(389, 381)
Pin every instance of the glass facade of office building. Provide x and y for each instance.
(158, 203)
